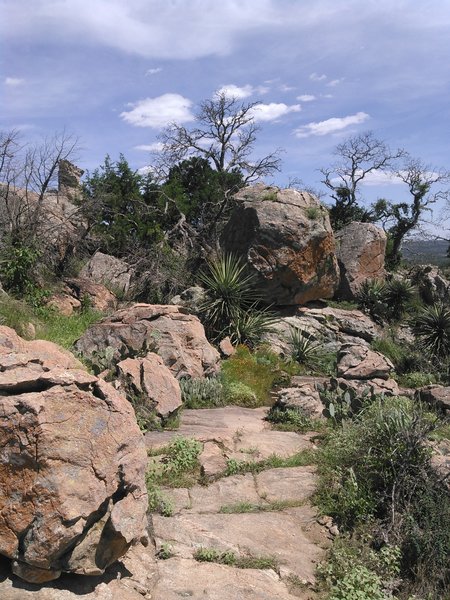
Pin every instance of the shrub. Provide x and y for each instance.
(399, 293)
(432, 330)
(231, 307)
(372, 299)
(260, 370)
(16, 267)
(291, 419)
(179, 465)
(240, 394)
(202, 392)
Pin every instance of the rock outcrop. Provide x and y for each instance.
(285, 237)
(69, 176)
(360, 362)
(150, 379)
(432, 285)
(108, 270)
(72, 489)
(169, 331)
(360, 250)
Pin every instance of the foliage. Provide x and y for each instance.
(304, 348)
(237, 467)
(291, 419)
(202, 392)
(179, 465)
(416, 379)
(240, 394)
(260, 371)
(432, 330)
(230, 307)
(228, 557)
(17, 263)
(372, 299)
(165, 552)
(399, 293)
(121, 207)
(357, 572)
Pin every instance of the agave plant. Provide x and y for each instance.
(304, 348)
(229, 288)
(231, 306)
(432, 330)
(372, 298)
(398, 294)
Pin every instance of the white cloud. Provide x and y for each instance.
(273, 111)
(334, 82)
(240, 92)
(154, 147)
(331, 125)
(13, 81)
(316, 77)
(159, 112)
(306, 98)
(153, 71)
(234, 91)
(286, 88)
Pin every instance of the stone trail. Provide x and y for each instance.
(282, 526)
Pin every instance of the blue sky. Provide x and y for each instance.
(114, 72)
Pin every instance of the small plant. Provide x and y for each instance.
(291, 419)
(372, 299)
(202, 392)
(165, 552)
(158, 502)
(16, 268)
(176, 465)
(432, 330)
(398, 295)
(304, 348)
(270, 196)
(313, 212)
(229, 558)
(240, 394)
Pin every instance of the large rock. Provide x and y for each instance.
(360, 362)
(431, 283)
(98, 296)
(360, 250)
(436, 395)
(152, 381)
(178, 338)
(285, 237)
(69, 176)
(72, 464)
(108, 270)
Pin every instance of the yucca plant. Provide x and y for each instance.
(249, 326)
(231, 307)
(305, 349)
(372, 298)
(432, 329)
(398, 295)
(229, 288)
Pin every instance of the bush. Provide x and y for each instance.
(432, 330)
(202, 393)
(399, 293)
(231, 307)
(372, 299)
(16, 268)
(260, 371)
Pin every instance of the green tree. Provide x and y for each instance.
(122, 207)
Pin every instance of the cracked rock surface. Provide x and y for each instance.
(72, 464)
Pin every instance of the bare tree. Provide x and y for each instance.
(426, 186)
(27, 174)
(225, 137)
(358, 157)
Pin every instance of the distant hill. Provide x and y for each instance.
(426, 251)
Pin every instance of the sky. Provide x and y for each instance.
(116, 72)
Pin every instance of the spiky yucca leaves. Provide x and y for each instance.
(231, 306)
(432, 329)
(304, 348)
(398, 295)
(372, 298)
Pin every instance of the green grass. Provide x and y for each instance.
(231, 559)
(301, 459)
(175, 465)
(248, 507)
(49, 324)
(259, 371)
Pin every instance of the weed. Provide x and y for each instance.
(291, 419)
(230, 558)
(248, 507)
(165, 552)
(313, 212)
(302, 458)
(176, 465)
(202, 393)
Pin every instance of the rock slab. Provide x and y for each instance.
(72, 464)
